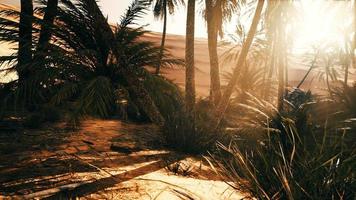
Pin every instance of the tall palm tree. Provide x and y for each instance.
(25, 39)
(354, 49)
(112, 65)
(278, 15)
(224, 102)
(47, 23)
(87, 61)
(161, 10)
(189, 60)
(216, 12)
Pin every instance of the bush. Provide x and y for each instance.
(292, 162)
(273, 171)
(181, 134)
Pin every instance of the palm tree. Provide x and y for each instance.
(88, 61)
(189, 60)
(161, 10)
(278, 15)
(224, 102)
(117, 56)
(47, 23)
(25, 39)
(354, 48)
(216, 12)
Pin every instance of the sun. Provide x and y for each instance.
(322, 22)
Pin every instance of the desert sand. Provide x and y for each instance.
(176, 46)
(104, 159)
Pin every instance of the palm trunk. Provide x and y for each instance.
(158, 68)
(189, 60)
(264, 77)
(136, 90)
(353, 53)
(25, 39)
(285, 56)
(328, 84)
(224, 102)
(346, 76)
(215, 91)
(308, 72)
(281, 74)
(141, 98)
(270, 71)
(348, 55)
(47, 23)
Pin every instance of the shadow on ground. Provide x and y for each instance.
(54, 162)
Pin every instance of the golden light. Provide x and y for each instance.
(323, 22)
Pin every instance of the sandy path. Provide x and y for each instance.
(58, 163)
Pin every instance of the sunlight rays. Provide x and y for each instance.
(322, 22)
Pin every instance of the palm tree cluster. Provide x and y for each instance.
(72, 56)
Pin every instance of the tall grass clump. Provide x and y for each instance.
(182, 135)
(294, 159)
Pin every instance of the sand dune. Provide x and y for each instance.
(176, 45)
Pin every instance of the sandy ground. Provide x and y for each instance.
(105, 159)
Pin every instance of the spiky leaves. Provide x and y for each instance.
(84, 49)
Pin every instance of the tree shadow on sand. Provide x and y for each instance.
(64, 165)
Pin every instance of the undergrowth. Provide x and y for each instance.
(296, 158)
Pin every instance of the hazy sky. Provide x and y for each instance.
(114, 9)
(320, 20)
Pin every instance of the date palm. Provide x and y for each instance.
(224, 102)
(189, 60)
(354, 47)
(88, 60)
(279, 14)
(49, 13)
(161, 10)
(216, 12)
(24, 55)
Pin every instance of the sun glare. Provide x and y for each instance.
(322, 22)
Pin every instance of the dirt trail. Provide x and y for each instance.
(105, 159)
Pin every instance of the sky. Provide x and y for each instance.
(175, 24)
(114, 9)
(319, 21)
